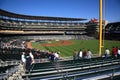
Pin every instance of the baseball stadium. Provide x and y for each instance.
(44, 36)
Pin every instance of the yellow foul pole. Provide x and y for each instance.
(100, 29)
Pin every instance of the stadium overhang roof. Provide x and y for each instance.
(29, 17)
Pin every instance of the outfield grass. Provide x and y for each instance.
(67, 50)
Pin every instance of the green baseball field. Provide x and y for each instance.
(66, 47)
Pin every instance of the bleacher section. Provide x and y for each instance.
(112, 31)
(14, 54)
(37, 27)
(73, 70)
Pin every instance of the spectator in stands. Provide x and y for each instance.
(107, 53)
(80, 54)
(118, 52)
(89, 54)
(75, 53)
(57, 57)
(114, 52)
(23, 58)
(52, 57)
(29, 60)
(84, 54)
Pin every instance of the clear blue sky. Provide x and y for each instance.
(64, 8)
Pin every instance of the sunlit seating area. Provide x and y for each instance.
(75, 70)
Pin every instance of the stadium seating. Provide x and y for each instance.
(35, 27)
(112, 31)
(79, 69)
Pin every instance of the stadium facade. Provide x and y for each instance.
(12, 23)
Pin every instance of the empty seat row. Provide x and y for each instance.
(72, 68)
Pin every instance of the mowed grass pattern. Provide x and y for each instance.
(67, 50)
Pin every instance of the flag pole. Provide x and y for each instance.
(100, 29)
